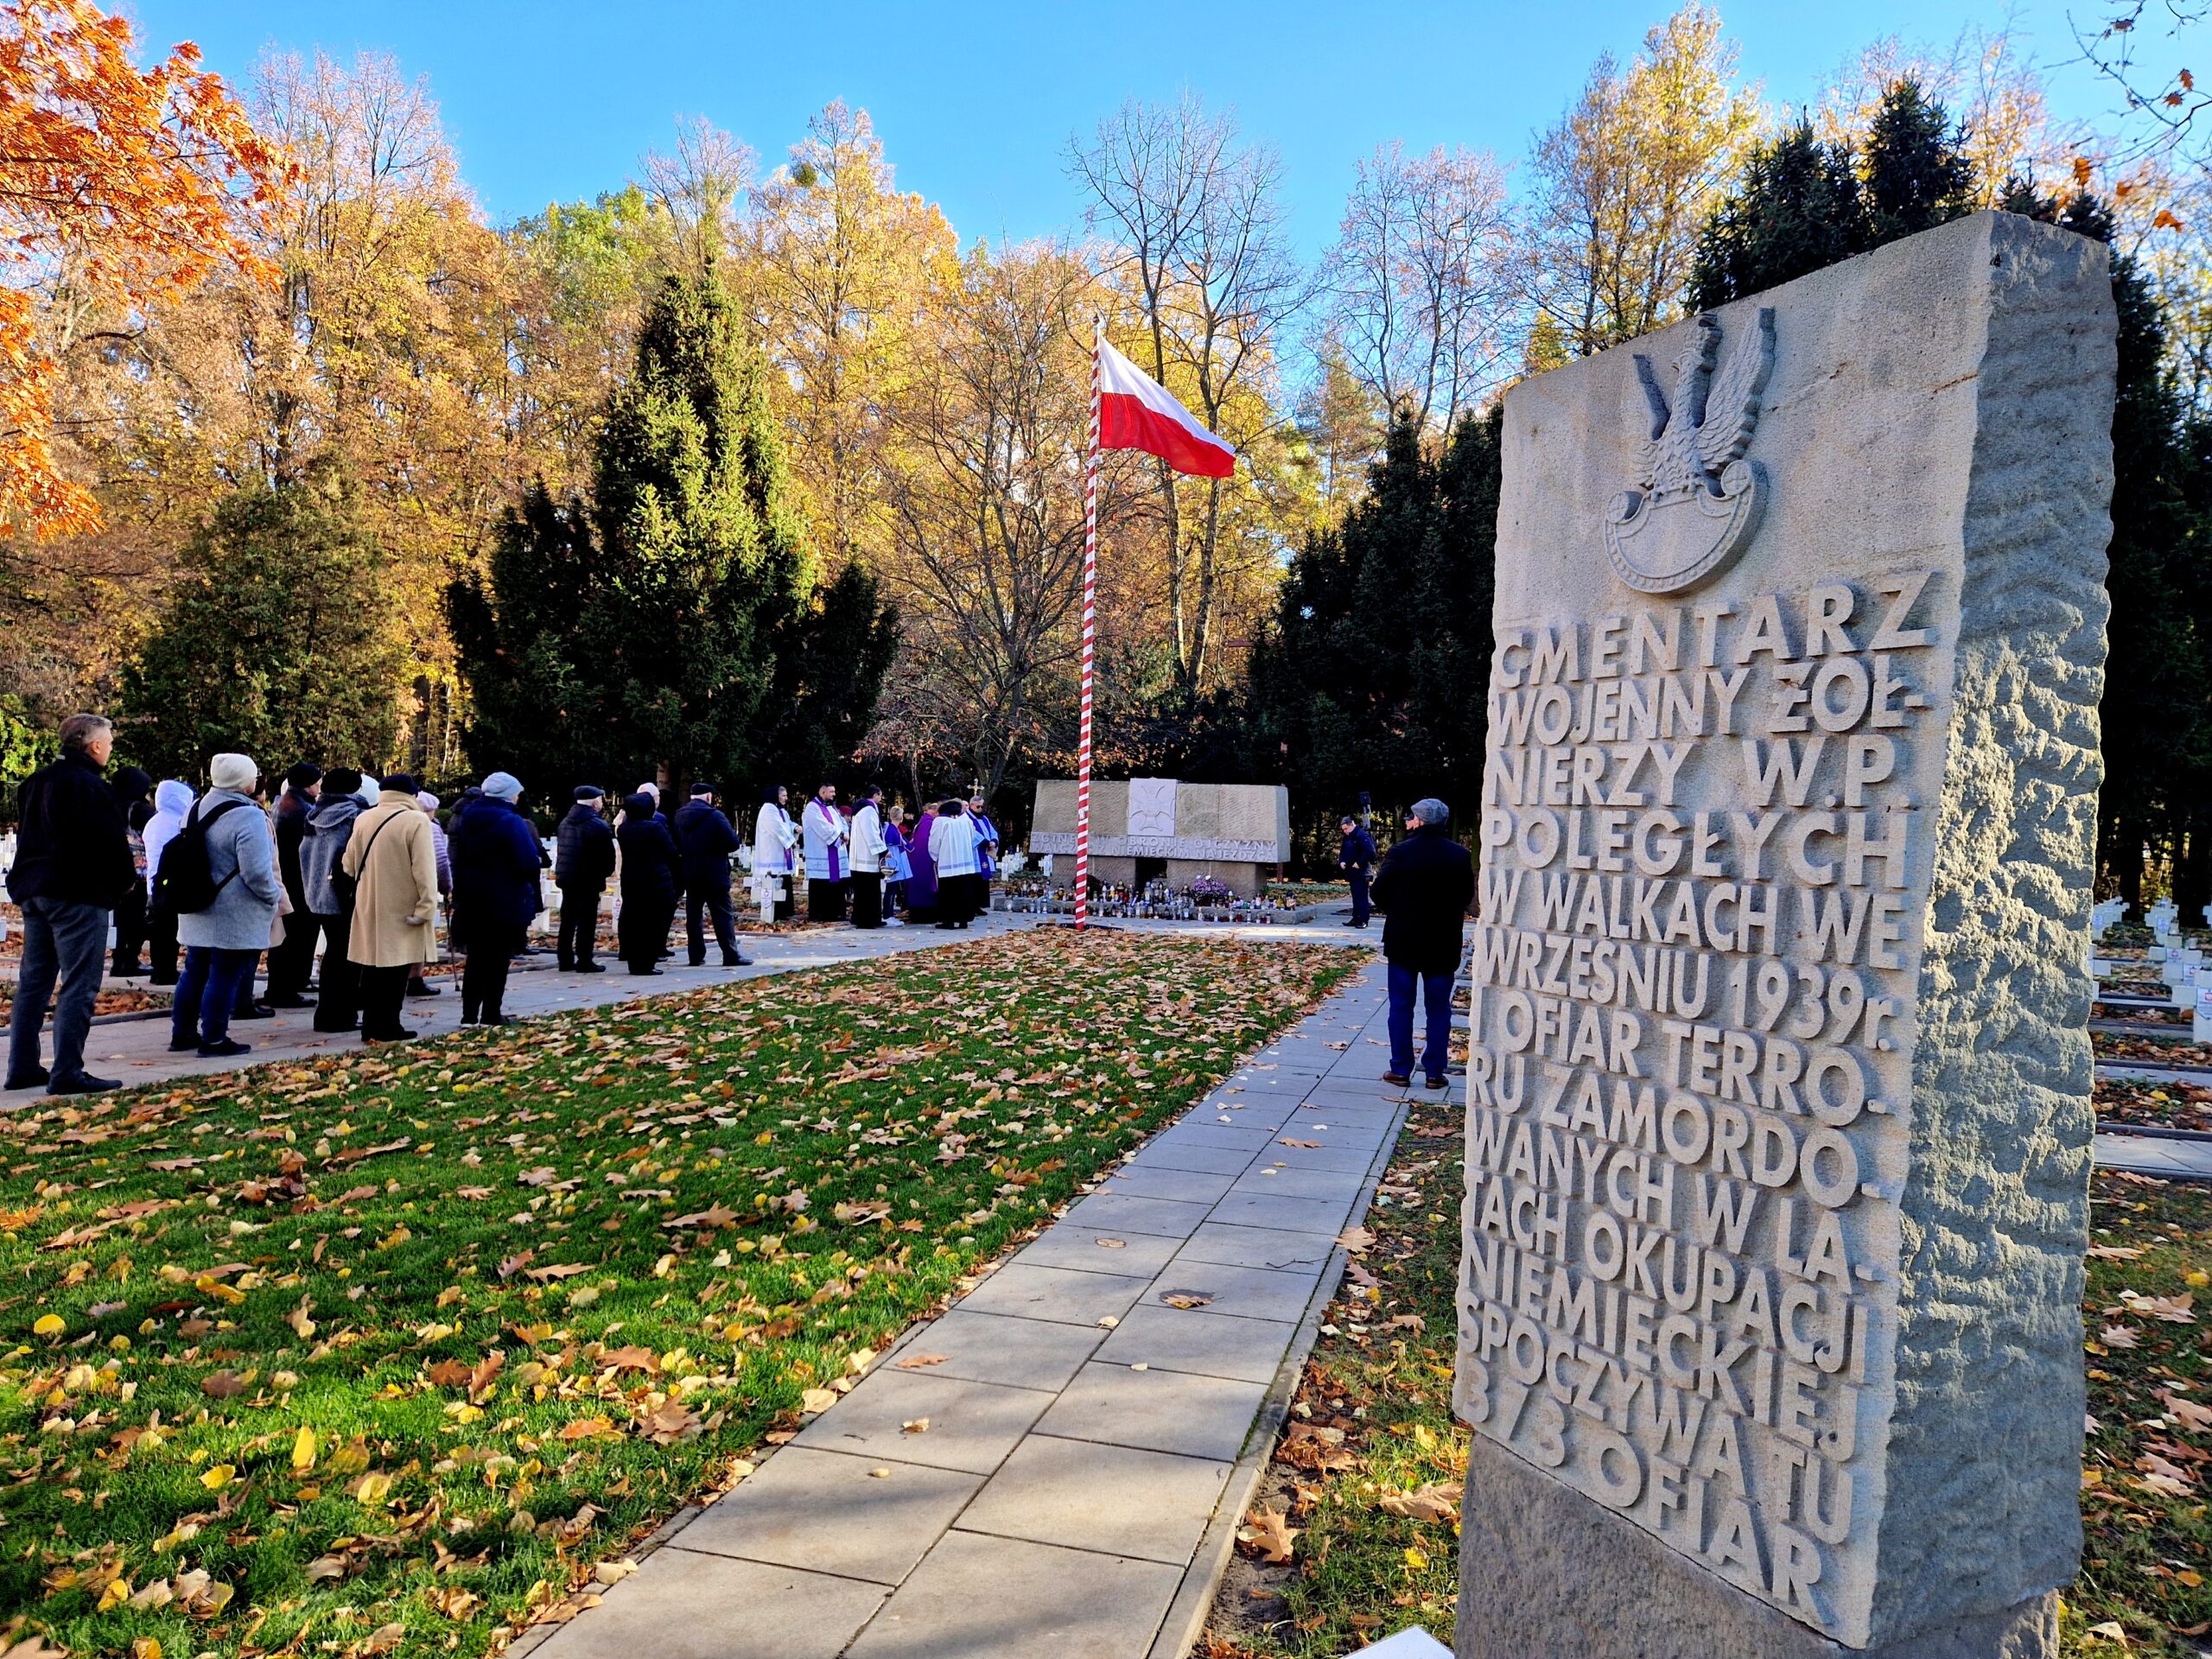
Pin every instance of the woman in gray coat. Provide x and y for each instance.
(222, 941)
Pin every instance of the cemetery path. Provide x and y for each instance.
(1056, 1466)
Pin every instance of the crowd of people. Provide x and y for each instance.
(341, 881)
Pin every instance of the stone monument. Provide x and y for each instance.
(1778, 1098)
(1234, 833)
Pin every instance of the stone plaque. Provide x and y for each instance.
(1778, 1092)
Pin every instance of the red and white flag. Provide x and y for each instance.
(1137, 412)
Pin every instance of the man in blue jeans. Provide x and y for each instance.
(1423, 889)
(72, 863)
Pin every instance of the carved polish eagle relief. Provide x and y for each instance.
(1700, 499)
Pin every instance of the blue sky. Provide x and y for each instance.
(555, 100)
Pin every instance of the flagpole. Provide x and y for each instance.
(1090, 643)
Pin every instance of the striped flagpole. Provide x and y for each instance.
(1089, 643)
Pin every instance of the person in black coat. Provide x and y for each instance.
(135, 788)
(584, 860)
(650, 883)
(1423, 889)
(293, 961)
(73, 867)
(496, 859)
(1356, 857)
(705, 840)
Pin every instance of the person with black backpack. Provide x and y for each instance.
(219, 877)
(73, 865)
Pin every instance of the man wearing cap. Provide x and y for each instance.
(72, 863)
(496, 861)
(1356, 857)
(583, 861)
(292, 960)
(1423, 889)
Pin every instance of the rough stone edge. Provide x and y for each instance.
(1185, 1619)
(1675, 1608)
(1982, 1507)
(652, 1544)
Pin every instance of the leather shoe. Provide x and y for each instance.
(256, 1012)
(591, 966)
(223, 1050)
(423, 988)
(183, 1045)
(740, 961)
(1397, 1079)
(35, 1079)
(1439, 1083)
(84, 1084)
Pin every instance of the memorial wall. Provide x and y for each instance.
(1778, 1119)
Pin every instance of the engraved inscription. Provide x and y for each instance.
(1689, 1070)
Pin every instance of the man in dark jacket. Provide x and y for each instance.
(1423, 889)
(72, 866)
(705, 840)
(583, 860)
(496, 861)
(650, 867)
(1356, 857)
(291, 962)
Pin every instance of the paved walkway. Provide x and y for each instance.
(1053, 1468)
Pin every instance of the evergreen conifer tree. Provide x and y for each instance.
(1916, 175)
(273, 644)
(1797, 208)
(670, 628)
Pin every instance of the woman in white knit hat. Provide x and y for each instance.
(222, 941)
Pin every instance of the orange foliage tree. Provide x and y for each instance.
(129, 184)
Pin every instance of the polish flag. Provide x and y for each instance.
(1137, 412)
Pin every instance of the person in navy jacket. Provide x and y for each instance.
(496, 861)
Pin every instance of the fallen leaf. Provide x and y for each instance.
(2119, 1336)
(916, 1362)
(1356, 1239)
(1269, 1533)
(1184, 1298)
(817, 1400)
(303, 1451)
(915, 1426)
(1437, 1500)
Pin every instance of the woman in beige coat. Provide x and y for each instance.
(393, 860)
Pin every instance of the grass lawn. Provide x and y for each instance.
(381, 1353)
(1366, 1476)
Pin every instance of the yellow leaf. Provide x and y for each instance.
(118, 1593)
(373, 1488)
(48, 1325)
(303, 1452)
(146, 1647)
(218, 1477)
(1415, 1559)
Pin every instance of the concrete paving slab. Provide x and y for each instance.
(1015, 1353)
(1246, 1292)
(1258, 1246)
(1152, 1181)
(1304, 1182)
(1292, 1215)
(1057, 1293)
(972, 1426)
(1119, 1500)
(975, 1596)
(833, 1513)
(1172, 1339)
(1179, 1154)
(685, 1604)
(1093, 1250)
(1168, 1218)
(1155, 1411)
(1356, 1159)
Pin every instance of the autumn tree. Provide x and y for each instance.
(1420, 301)
(1625, 181)
(118, 187)
(846, 264)
(1192, 221)
(986, 510)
